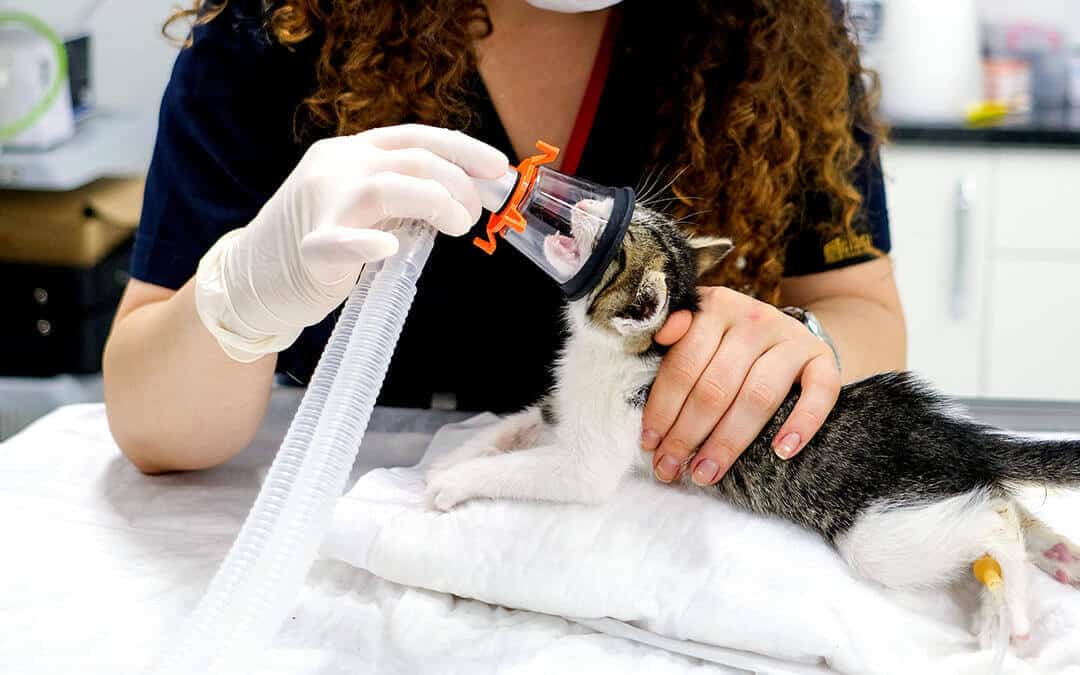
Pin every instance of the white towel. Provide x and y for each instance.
(686, 572)
(100, 566)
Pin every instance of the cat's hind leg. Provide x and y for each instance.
(1008, 549)
(926, 545)
(1050, 551)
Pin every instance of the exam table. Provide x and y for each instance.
(77, 514)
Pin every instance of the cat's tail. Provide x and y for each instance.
(1037, 461)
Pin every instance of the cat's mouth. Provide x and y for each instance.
(564, 253)
(568, 253)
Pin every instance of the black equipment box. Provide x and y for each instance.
(55, 319)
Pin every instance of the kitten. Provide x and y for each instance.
(909, 492)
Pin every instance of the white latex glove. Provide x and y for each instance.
(259, 286)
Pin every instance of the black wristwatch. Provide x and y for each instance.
(807, 318)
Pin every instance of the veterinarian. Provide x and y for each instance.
(745, 117)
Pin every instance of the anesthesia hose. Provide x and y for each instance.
(262, 574)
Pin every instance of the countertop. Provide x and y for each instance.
(1048, 128)
(1026, 416)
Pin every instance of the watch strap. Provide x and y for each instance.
(808, 319)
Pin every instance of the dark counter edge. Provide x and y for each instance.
(1025, 416)
(960, 136)
(1052, 129)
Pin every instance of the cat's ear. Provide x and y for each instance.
(649, 309)
(708, 252)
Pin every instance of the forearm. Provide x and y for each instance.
(859, 307)
(870, 338)
(174, 400)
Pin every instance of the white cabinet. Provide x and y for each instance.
(938, 209)
(1034, 331)
(1038, 204)
(987, 250)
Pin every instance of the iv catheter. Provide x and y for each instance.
(988, 572)
(568, 227)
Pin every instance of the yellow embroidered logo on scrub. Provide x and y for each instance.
(844, 248)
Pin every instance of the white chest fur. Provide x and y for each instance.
(582, 459)
(597, 382)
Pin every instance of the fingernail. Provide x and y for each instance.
(705, 472)
(666, 468)
(786, 448)
(650, 440)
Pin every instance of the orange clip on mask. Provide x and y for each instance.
(568, 227)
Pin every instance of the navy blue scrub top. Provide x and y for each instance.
(484, 329)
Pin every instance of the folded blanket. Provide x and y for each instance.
(686, 572)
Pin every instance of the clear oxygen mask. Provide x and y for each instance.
(568, 227)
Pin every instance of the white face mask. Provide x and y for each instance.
(572, 6)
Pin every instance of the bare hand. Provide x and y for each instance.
(731, 366)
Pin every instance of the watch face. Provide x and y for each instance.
(795, 313)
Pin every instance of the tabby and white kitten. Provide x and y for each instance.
(909, 492)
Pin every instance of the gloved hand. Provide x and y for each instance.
(259, 286)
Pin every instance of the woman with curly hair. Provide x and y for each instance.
(291, 128)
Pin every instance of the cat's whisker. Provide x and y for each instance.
(645, 180)
(656, 201)
(655, 188)
(650, 181)
(688, 218)
(671, 182)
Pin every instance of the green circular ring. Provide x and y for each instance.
(41, 28)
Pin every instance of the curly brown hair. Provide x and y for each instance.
(759, 115)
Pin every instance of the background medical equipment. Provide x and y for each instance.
(929, 61)
(35, 99)
(57, 317)
(259, 579)
(64, 259)
(71, 195)
(54, 135)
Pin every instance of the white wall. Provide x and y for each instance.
(131, 60)
(1064, 14)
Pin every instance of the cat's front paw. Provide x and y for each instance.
(450, 487)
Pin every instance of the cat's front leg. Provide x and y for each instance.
(521, 430)
(546, 473)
